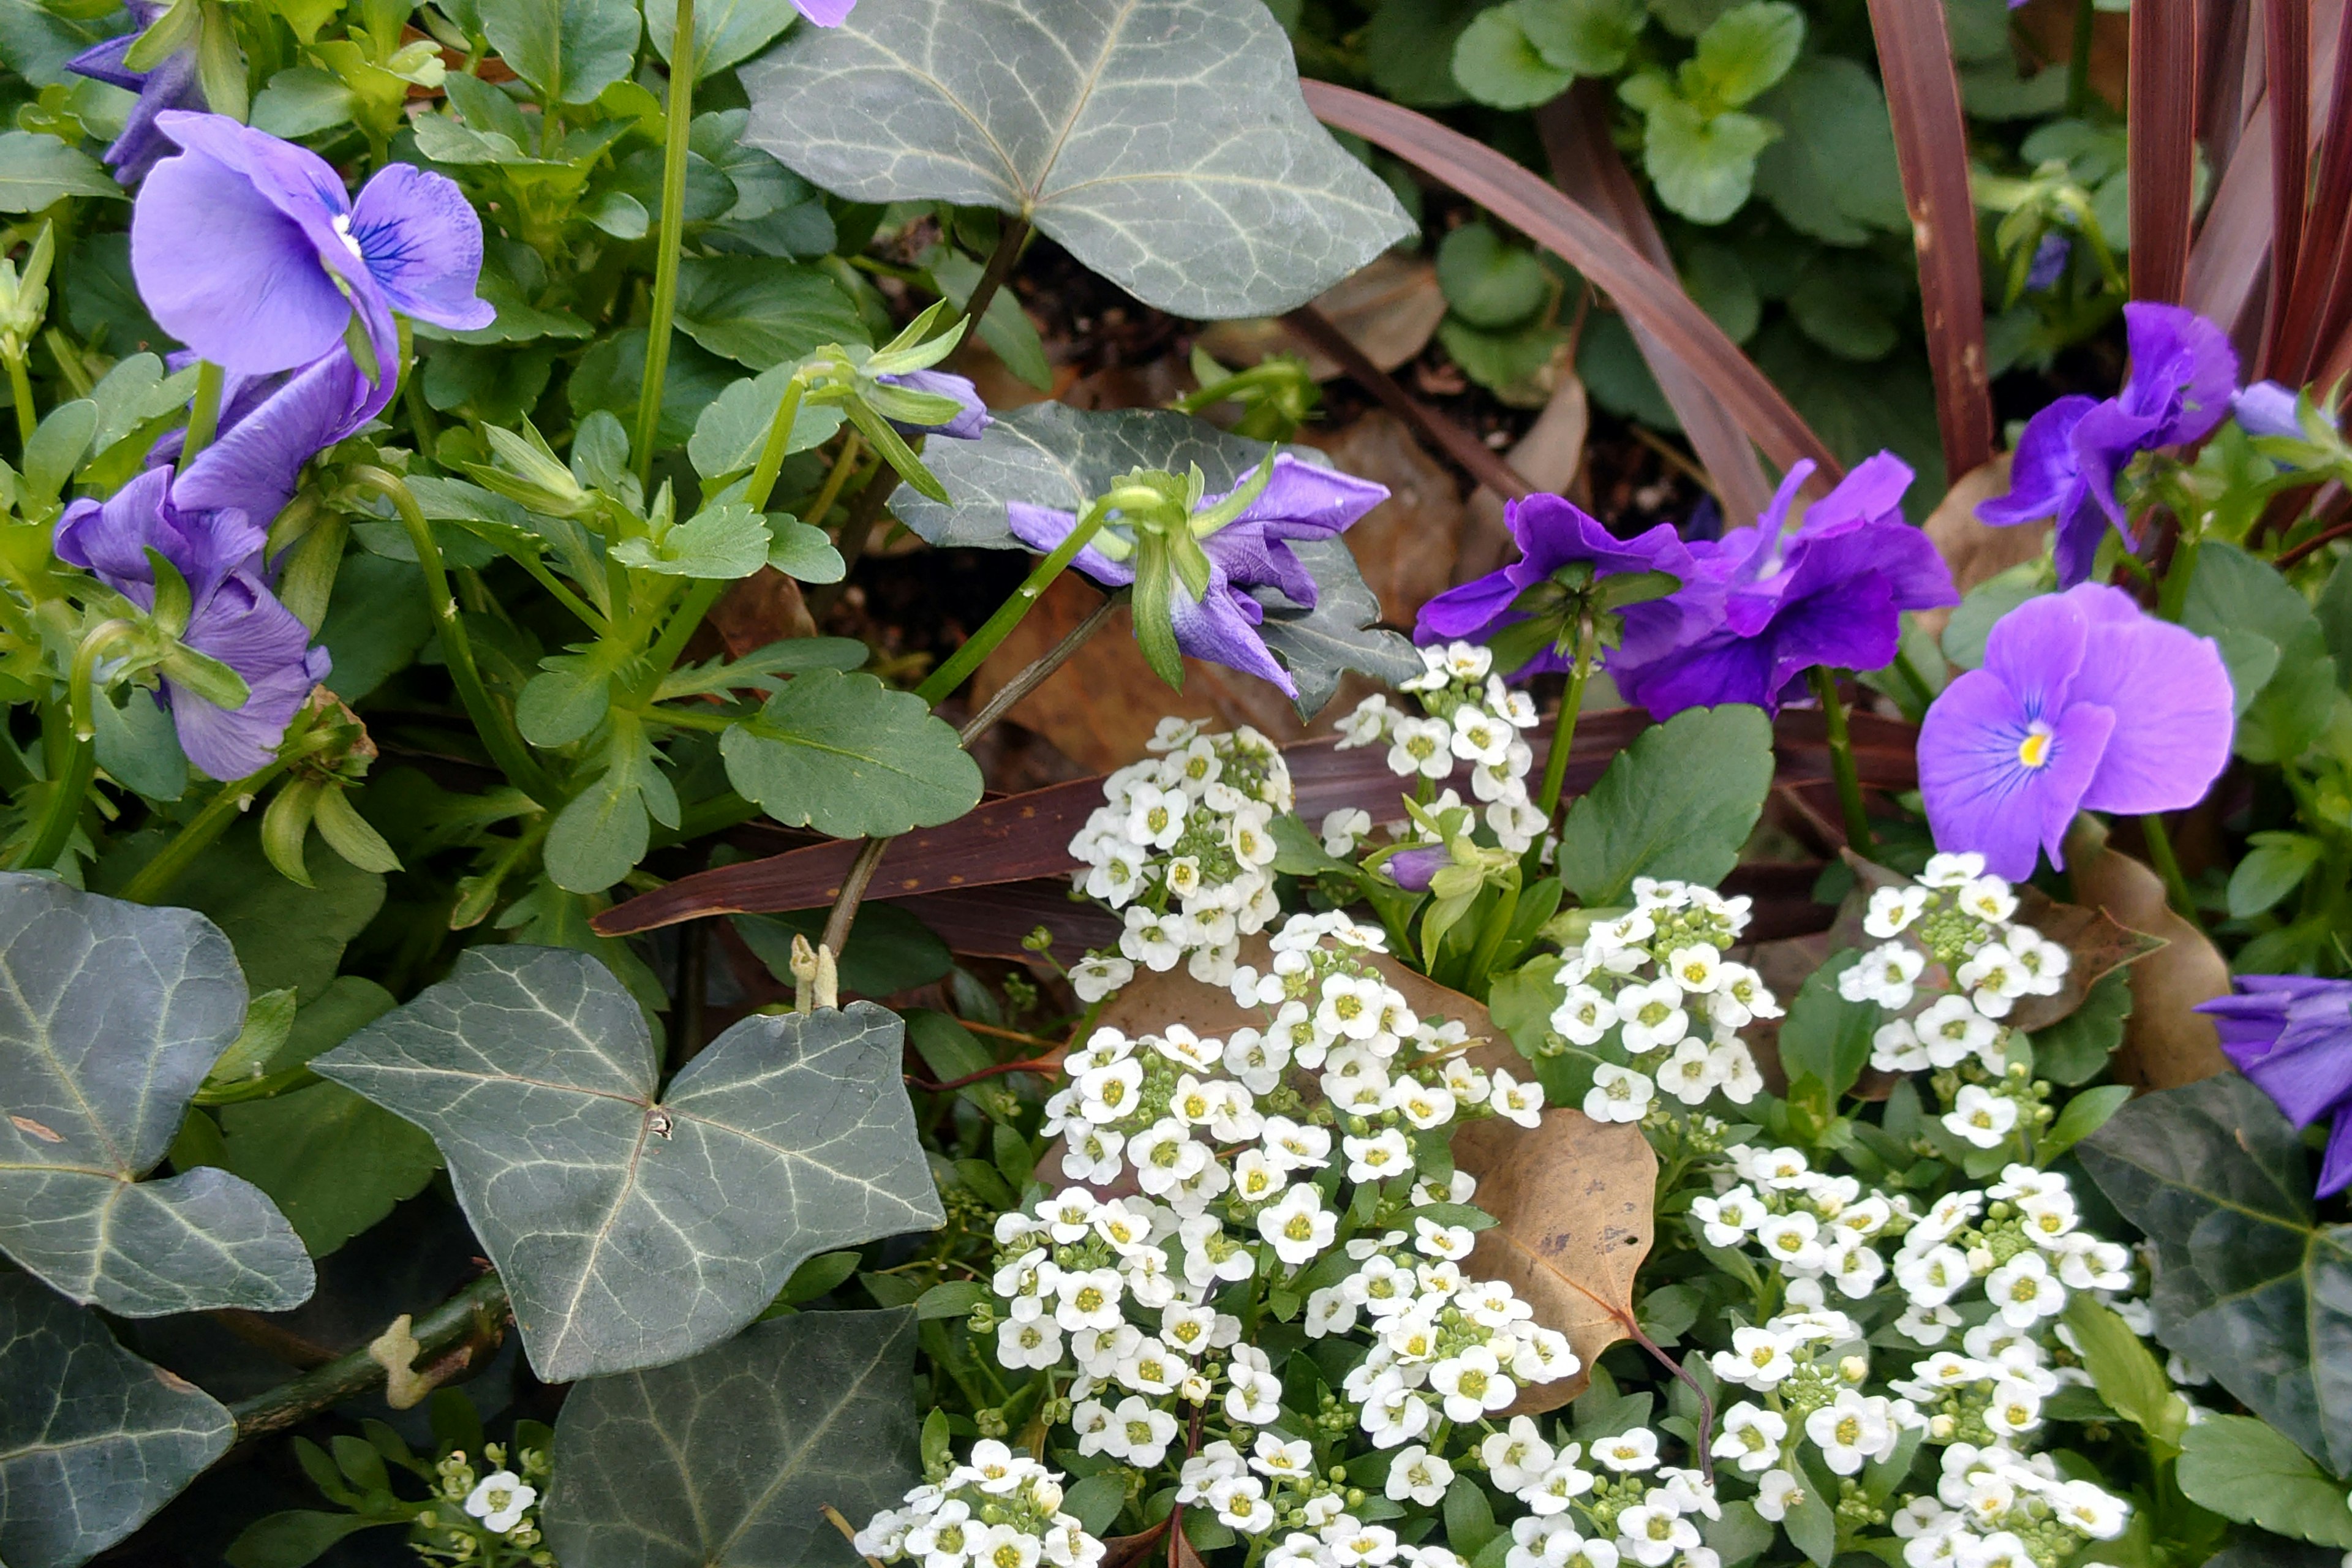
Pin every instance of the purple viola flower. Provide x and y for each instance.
(1299, 501)
(233, 617)
(970, 420)
(2266, 408)
(2293, 1035)
(1414, 869)
(834, 13)
(172, 85)
(1553, 533)
(2049, 260)
(2183, 373)
(247, 249)
(2083, 703)
(1832, 593)
(270, 427)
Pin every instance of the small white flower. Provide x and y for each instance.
(1892, 911)
(1419, 1475)
(1758, 1359)
(1421, 746)
(1299, 1227)
(499, 1499)
(1472, 1384)
(1655, 1536)
(1156, 817)
(1952, 870)
(1516, 1101)
(1737, 1074)
(1886, 974)
(1035, 1344)
(1448, 1242)
(1583, 1015)
(1994, 980)
(1778, 1494)
(1692, 1073)
(2023, 1291)
(1852, 1430)
(1628, 1451)
(1344, 828)
(1727, 1217)
(1517, 1455)
(1697, 969)
(1652, 1017)
(1384, 1154)
(1755, 1434)
(1792, 1241)
(1982, 1117)
(1987, 898)
(1098, 975)
(1618, 1094)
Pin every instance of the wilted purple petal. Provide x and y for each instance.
(1466, 612)
(174, 84)
(2183, 371)
(1222, 627)
(2049, 255)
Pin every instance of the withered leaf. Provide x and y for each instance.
(2167, 1043)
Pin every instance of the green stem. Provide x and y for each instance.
(696, 604)
(1849, 780)
(673, 220)
(2168, 866)
(844, 463)
(1915, 680)
(203, 414)
(199, 833)
(1563, 732)
(1490, 940)
(346, 1377)
(2172, 598)
(771, 455)
(1010, 613)
(494, 724)
(63, 808)
(2078, 64)
(20, 387)
(81, 681)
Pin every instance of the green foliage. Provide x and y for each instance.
(1678, 803)
(2242, 1469)
(1824, 1040)
(841, 753)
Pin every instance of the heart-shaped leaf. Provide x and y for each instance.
(92, 1439)
(634, 1228)
(846, 756)
(1163, 142)
(728, 1458)
(111, 1016)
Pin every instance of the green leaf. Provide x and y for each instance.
(618, 1212)
(2076, 1048)
(1972, 622)
(1095, 1502)
(1060, 114)
(2248, 1287)
(760, 312)
(718, 543)
(846, 755)
(38, 171)
(2123, 1371)
(333, 1163)
(378, 618)
(2274, 867)
(1319, 646)
(2336, 617)
(93, 1439)
(1833, 174)
(2243, 1471)
(1409, 49)
(726, 1460)
(729, 436)
(1718, 284)
(726, 32)
(570, 695)
(1836, 305)
(1499, 66)
(114, 1013)
(1703, 167)
(1487, 282)
(1744, 51)
(295, 1538)
(1825, 1038)
(799, 550)
(603, 832)
(1678, 803)
(2084, 1114)
(138, 747)
(1585, 37)
(2233, 592)
(1469, 1516)
(570, 50)
(612, 375)
(302, 102)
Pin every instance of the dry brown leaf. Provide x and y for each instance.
(2097, 944)
(1976, 551)
(2166, 1042)
(765, 607)
(1547, 456)
(1405, 546)
(1389, 310)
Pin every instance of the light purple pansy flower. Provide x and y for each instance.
(2267, 409)
(271, 425)
(2183, 373)
(1414, 869)
(2084, 703)
(2293, 1037)
(172, 85)
(247, 249)
(1299, 501)
(834, 13)
(233, 616)
(1831, 593)
(1553, 533)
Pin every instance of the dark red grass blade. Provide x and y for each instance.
(2286, 64)
(2163, 115)
(2299, 341)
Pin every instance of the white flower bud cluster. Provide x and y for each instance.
(1468, 717)
(1001, 1510)
(1183, 843)
(1650, 992)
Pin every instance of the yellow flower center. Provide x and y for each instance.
(2034, 749)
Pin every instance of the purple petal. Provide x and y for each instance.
(825, 13)
(112, 539)
(2183, 372)
(1873, 492)
(241, 624)
(1851, 623)
(253, 465)
(2106, 438)
(1222, 629)
(2173, 704)
(2336, 1165)
(2043, 479)
(1719, 669)
(970, 420)
(1413, 870)
(1308, 499)
(1254, 555)
(1470, 611)
(2266, 408)
(2036, 649)
(1981, 792)
(422, 242)
(104, 61)
(1041, 528)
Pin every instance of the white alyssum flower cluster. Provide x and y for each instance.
(1469, 718)
(1000, 1509)
(1183, 843)
(1651, 994)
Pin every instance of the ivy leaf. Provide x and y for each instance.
(111, 1016)
(2243, 1471)
(728, 1460)
(570, 50)
(849, 757)
(1678, 803)
(1062, 114)
(93, 1439)
(760, 312)
(620, 1216)
(1319, 646)
(2247, 1287)
(719, 542)
(1499, 66)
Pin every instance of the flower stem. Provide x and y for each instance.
(1010, 613)
(844, 463)
(2172, 598)
(1490, 940)
(203, 414)
(63, 808)
(763, 483)
(198, 833)
(683, 65)
(1849, 781)
(495, 725)
(1563, 730)
(696, 604)
(2168, 866)
(2078, 63)
(20, 387)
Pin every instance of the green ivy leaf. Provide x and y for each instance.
(1499, 66)
(1678, 803)
(615, 1210)
(728, 1460)
(847, 756)
(569, 50)
(93, 1439)
(2243, 1471)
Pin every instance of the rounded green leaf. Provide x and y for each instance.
(1487, 282)
(848, 756)
(1497, 64)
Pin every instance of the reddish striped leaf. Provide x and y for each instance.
(2163, 112)
(2287, 62)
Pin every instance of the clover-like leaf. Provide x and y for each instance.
(110, 1016)
(2247, 1287)
(92, 1439)
(849, 757)
(1338, 634)
(636, 1228)
(1163, 142)
(728, 1459)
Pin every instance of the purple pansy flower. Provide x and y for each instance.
(2293, 1035)
(1552, 532)
(834, 13)
(247, 249)
(2183, 373)
(969, 422)
(1299, 501)
(2084, 703)
(233, 617)
(172, 85)
(1832, 593)
(2049, 260)
(271, 425)
(2266, 408)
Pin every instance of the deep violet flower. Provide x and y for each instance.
(970, 420)
(1554, 532)
(1299, 501)
(246, 248)
(172, 85)
(1833, 593)
(2293, 1035)
(2183, 373)
(233, 616)
(2084, 703)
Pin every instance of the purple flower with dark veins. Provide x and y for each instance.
(2183, 373)
(233, 617)
(270, 427)
(247, 249)
(2084, 703)
(172, 85)
(2293, 1037)
(1831, 593)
